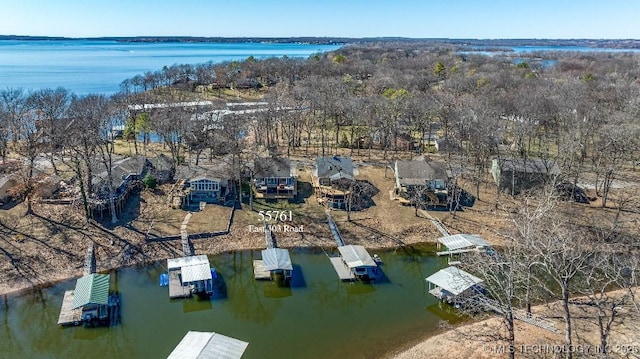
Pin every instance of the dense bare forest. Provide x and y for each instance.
(575, 110)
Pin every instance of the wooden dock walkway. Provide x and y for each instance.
(184, 236)
(268, 236)
(334, 230)
(90, 260)
(68, 315)
(436, 222)
(258, 270)
(344, 273)
(521, 315)
(176, 289)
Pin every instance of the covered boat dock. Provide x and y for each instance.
(90, 302)
(208, 345)
(188, 275)
(358, 260)
(461, 243)
(277, 261)
(452, 284)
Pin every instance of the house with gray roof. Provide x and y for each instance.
(421, 181)
(331, 177)
(123, 172)
(329, 169)
(274, 178)
(514, 175)
(210, 183)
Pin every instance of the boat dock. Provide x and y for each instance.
(68, 315)
(259, 272)
(344, 273)
(189, 275)
(176, 289)
(274, 260)
(208, 345)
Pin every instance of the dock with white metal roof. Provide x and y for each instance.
(208, 345)
(461, 243)
(451, 282)
(354, 261)
(274, 259)
(186, 273)
(343, 271)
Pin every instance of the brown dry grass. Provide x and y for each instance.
(51, 245)
(531, 342)
(387, 223)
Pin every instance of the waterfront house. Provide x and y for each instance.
(274, 178)
(189, 275)
(329, 177)
(421, 181)
(359, 262)
(211, 183)
(515, 175)
(208, 345)
(124, 172)
(125, 175)
(204, 188)
(453, 285)
(162, 168)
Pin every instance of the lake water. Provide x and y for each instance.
(318, 317)
(90, 66)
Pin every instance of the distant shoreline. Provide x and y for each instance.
(594, 43)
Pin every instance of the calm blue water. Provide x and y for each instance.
(528, 50)
(89, 66)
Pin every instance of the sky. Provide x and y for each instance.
(478, 19)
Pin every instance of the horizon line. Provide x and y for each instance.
(307, 37)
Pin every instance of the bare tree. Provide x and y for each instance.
(611, 269)
(565, 253)
(51, 107)
(27, 137)
(502, 281)
(85, 131)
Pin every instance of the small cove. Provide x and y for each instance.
(318, 316)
